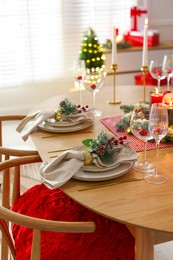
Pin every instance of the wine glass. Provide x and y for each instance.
(139, 127)
(169, 69)
(93, 82)
(157, 71)
(158, 128)
(79, 75)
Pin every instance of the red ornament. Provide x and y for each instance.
(136, 12)
(93, 86)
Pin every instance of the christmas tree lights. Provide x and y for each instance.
(91, 51)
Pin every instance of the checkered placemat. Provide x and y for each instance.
(136, 143)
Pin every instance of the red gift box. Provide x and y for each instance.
(149, 80)
(136, 38)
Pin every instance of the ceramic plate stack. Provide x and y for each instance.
(51, 125)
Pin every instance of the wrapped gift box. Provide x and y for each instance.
(136, 38)
(149, 80)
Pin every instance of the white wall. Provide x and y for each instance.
(161, 18)
(21, 99)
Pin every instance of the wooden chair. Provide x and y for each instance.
(7, 153)
(37, 224)
(5, 118)
(45, 211)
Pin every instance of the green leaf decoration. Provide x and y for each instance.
(87, 142)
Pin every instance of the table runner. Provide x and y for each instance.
(136, 143)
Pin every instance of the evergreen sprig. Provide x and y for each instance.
(104, 146)
(67, 107)
(124, 122)
(127, 108)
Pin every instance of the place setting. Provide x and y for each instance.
(67, 118)
(104, 158)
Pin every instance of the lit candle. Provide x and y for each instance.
(145, 44)
(170, 114)
(156, 97)
(114, 47)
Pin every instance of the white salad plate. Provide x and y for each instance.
(120, 170)
(50, 128)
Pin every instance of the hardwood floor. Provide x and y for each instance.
(162, 251)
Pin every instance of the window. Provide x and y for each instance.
(39, 39)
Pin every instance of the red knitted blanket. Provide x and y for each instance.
(110, 241)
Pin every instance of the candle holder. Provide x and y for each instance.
(114, 102)
(144, 70)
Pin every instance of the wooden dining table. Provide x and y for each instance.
(146, 209)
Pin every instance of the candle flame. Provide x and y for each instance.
(146, 21)
(157, 91)
(170, 103)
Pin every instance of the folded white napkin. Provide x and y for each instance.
(124, 153)
(30, 122)
(57, 172)
(85, 116)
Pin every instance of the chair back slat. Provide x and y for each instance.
(8, 217)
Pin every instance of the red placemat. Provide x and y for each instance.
(136, 143)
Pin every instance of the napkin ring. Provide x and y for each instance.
(58, 115)
(88, 158)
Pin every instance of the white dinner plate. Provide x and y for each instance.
(62, 123)
(122, 169)
(49, 128)
(94, 168)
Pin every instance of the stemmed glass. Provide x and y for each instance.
(169, 69)
(139, 126)
(157, 71)
(79, 75)
(158, 128)
(93, 82)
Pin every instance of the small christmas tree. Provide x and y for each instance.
(91, 50)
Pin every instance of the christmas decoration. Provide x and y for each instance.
(149, 80)
(134, 12)
(91, 50)
(105, 146)
(123, 125)
(136, 37)
(67, 107)
(120, 45)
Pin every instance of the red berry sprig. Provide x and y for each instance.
(82, 109)
(158, 131)
(93, 86)
(117, 141)
(137, 110)
(79, 78)
(143, 132)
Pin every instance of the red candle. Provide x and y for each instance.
(170, 114)
(156, 97)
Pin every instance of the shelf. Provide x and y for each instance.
(161, 46)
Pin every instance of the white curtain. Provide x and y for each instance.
(39, 39)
